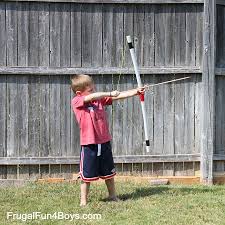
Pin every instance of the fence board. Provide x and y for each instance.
(34, 116)
(197, 112)
(119, 30)
(128, 30)
(3, 124)
(189, 169)
(219, 114)
(76, 10)
(208, 100)
(169, 97)
(199, 36)
(44, 45)
(117, 115)
(108, 35)
(220, 118)
(179, 117)
(65, 36)
(139, 27)
(22, 117)
(168, 169)
(54, 121)
(23, 33)
(191, 35)
(149, 36)
(189, 126)
(55, 35)
(128, 127)
(180, 35)
(65, 111)
(96, 36)
(130, 131)
(2, 34)
(179, 169)
(126, 120)
(33, 35)
(223, 120)
(169, 35)
(12, 116)
(220, 36)
(44, 115)
(11, 32)
(160, 22)
(11, 172)
(158, 116)
(87, 23)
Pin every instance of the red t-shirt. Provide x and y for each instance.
(92, 120)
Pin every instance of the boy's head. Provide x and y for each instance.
(81, 84)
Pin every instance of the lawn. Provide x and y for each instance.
(140, 204)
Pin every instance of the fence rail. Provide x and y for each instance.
(95, 71)
(117, 1)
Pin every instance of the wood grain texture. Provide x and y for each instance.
(3, 39)
(43, 28)
(23, 34)
(121, 1)
(76, 11)
(3, 116)
(11, 34)
(12, 117)
(208, 100)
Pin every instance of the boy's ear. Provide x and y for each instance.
(78, 92)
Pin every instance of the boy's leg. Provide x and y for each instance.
(107, 169)
(84, 190)
(111, 189)
(88, 170)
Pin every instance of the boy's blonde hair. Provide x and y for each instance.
(80, 81)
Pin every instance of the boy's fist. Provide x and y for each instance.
(140, 90)
(114, 93)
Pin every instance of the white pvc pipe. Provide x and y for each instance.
(133, 56)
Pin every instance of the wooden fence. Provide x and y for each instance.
(44, 42)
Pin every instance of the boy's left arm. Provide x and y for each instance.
(129, 93)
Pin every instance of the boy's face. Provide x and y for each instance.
(88, 90)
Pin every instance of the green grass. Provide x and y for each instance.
(140, 204)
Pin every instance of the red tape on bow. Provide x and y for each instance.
(142, 97)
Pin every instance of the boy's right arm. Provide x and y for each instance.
(99, 95)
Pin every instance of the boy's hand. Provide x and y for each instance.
(114, 93)
(141, 90)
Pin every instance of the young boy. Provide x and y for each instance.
(96, 160)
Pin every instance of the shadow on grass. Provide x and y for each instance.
(165, 190)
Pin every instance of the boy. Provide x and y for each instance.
(96, 159)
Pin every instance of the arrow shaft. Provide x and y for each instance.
(166, 82)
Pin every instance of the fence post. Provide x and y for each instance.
(208, 97)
